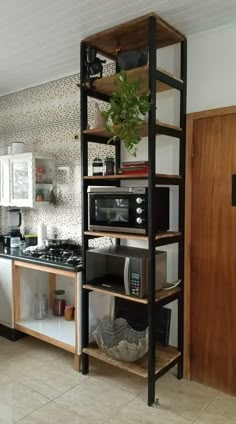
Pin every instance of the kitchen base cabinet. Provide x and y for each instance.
(6, 293)
(54, 330)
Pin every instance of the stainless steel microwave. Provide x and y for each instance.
(125, 209)
(124, 269)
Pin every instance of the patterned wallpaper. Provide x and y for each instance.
(47, 118)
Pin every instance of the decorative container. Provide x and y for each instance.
(97, 166)
(120, 341)
(100, 121)
(132, 59)
(109, 166)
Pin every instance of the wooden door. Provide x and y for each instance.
(213, 261)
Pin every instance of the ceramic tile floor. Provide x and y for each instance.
(38, 385)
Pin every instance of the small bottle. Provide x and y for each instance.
(109, 166)
(59, 303)
(97, 166)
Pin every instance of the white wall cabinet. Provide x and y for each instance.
(20, 183)
(6, 293)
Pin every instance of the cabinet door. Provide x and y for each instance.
(6, 292)
(21, 182)
(4, 182)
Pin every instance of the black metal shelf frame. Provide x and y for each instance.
(153, 129)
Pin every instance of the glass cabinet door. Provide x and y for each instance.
(21, 182)
(4, 182)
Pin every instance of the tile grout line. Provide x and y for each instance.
(124, 406)
(30, 413)
(206, 406)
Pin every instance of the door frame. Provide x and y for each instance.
(191, 118)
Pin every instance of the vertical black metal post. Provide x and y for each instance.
(152, 29)
(117, 164)
(84, 204)
(182, 154)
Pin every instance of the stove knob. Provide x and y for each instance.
(139, 210)
(139, 220)
(139, 200)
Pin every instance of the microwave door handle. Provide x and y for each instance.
(126, 276)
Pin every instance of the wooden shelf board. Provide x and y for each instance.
(160, 295)
(164, 357)
(106, 85)
(103, 132)
(133, 35)
(159, 236)
(130, 177)
(167, 234)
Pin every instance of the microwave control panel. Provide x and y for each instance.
(135, 284)
(140, 212)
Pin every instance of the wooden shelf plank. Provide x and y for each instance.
(164, 357)
(159, 236)
(106, 85)
(103, 132)
(130, 177)
(160, 295)
(133, 35)
(114, 294)
(167, 234)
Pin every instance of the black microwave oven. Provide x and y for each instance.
(124, 269)
(125, 209)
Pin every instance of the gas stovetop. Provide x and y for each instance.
(62, 256)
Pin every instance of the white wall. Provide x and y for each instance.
(212, 69)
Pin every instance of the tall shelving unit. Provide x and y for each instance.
(150, 32)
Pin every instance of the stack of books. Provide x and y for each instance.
(133, 168)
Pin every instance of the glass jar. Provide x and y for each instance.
(40, 306)
(97, 166)
(109, 166)
(59, 303)
(69, 312)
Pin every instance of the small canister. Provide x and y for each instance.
(59, 303)
(97, 166)
(69, 312)
(109, 166)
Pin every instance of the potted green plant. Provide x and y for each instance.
(128, 107)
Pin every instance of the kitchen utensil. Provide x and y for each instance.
(14, 242)
(120, 341)
(31, 240)
(18, 147)
(56, 242)
(14, 220)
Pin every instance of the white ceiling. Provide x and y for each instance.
(40, 39)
